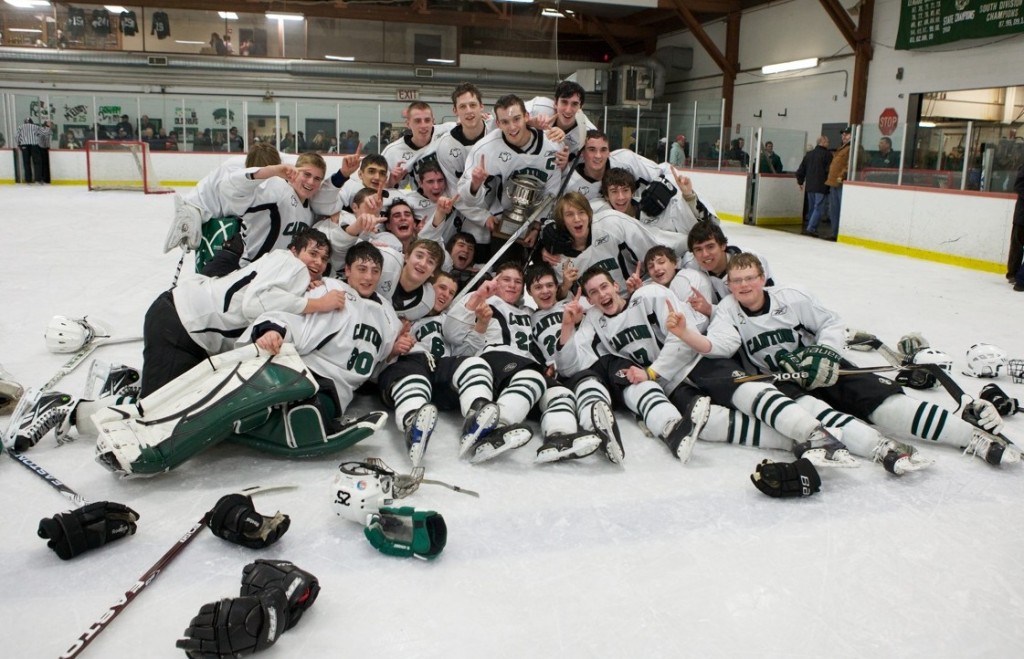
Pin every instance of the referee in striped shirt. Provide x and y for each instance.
(28, 142)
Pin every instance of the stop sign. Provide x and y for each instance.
(887, 121)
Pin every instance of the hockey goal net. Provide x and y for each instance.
(121, 165)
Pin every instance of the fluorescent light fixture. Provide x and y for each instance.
(28, 4)
(228, 15)
(273, 15)
(926, 124)
(795, 65)
(340, 58)
(551, 13)
(436, 60)
(24, 29)
(190, 43)
(114, 9)
(522, 2)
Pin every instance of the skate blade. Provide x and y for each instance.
(512, 439)
(486, 420)
(423, 425)
(604, 424)
(582, 446)
(907, 464)
(839, 460)
(698, 417)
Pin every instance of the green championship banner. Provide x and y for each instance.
(926, 23)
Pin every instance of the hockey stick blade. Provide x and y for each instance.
(56, 483)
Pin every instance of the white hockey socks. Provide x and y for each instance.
(409, 394)
(522, 393)
(903, 414)
(649, 401)
(777, 410)
(589, 392)
(558, 412)
(735, 427)
(473, 380)
(860, 438)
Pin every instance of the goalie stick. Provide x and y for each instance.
(147, 578)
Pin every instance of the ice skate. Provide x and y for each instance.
(824, 449)
(37, 414)
(500, 440)
(10, 392)
(482, 420)
(558, 447)
(605, 425)
(106, 379)
(681, 437)
(418, 429)
(993, 449)
(899, 458)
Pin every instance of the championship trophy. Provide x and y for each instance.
(523, 191)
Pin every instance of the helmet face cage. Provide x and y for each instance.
(1016, 368)
(933, 356)
(985, 361)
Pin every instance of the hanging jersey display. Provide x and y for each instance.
(161, 25)
(129, 23)
(76, 21)
(100, 22)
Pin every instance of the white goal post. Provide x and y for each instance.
(121, 165)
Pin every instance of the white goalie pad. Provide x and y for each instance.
(127, 431)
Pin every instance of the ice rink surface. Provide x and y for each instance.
(577, 559)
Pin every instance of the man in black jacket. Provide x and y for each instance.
(1015, 264)
(810, 176)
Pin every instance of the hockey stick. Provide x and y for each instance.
(147, 578)
(56, 483)
(152, 573)
(83, 352)
(482, 272)
(784, 377)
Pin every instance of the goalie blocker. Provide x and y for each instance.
(243, 395)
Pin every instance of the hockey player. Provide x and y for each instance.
(602, 237)
(204, 316)
(711, 253)
(272, 203)
(337, 192)
(566, 114)
(662, 265)
(435, 211)
(517, 149)
(451, 150)
(494, 311)
(287, 404)
(430, 376)
(412, 294)
(563, 418)
(681, 213)
(406, 154)
(784, 329)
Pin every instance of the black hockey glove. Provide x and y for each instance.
(787, 479)
(236, 627)
(916, 378)
(300, 587)
(235, 519)
(91, 526)
(557, 240)
(1007, 406)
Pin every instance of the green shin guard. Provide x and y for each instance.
(201, 408)
(216, 232)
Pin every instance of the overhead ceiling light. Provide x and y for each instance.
(795, 65)
(551, 13)
(190, 43)
(926, 124)
(273, 15)
(228, 15)
(28, 4)
(340, 58)
(24, 29)
(115, 9)
(522, 2)
(436, 60)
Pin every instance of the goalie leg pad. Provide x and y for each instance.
(299, 587)
(236, 627)
(77, 531)
(407, 532)
(786, 479)
(200, 408)
(301, 431)
(216, 232)
(235, 519)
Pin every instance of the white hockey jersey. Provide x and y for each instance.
(269, 209)
(451, 151)
(403, 152)
(791, 319)
(576, 136)
(503, 162)
(331, 199)
(547, 326)
(216, 310)
(207, 195)
(636, 333)
(346, 346)
(509, 330)
(720, 283)
(644, 170)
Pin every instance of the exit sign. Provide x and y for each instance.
(408, 94)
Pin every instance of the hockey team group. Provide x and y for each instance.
(398, 277)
